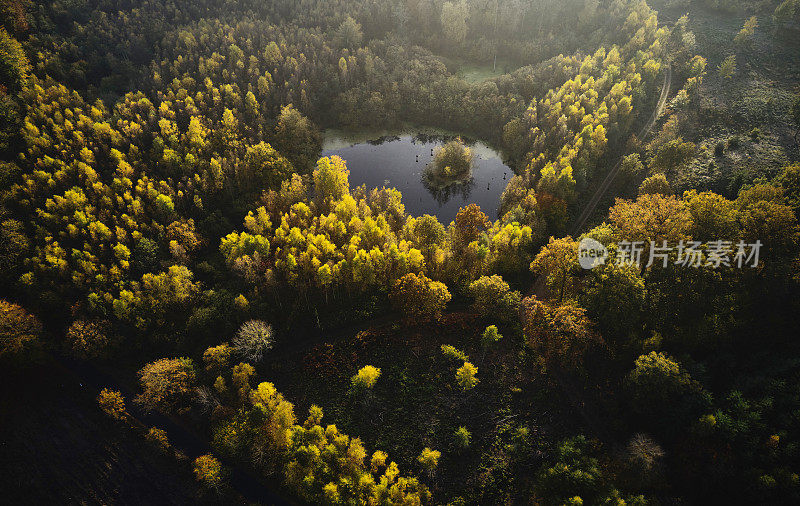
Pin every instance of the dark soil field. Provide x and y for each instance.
(57, 447)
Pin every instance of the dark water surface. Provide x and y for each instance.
(397, 161)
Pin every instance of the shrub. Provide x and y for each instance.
(366, 378)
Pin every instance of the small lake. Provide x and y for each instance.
(378, 159)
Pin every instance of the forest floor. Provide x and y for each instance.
(417, 403)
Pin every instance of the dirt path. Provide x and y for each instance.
(587, 411)
(590, 207)
(538, 285)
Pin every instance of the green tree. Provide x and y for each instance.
(614, 297)
(727, 68)
(789, 180)
(672, 156)
(263, 168)
(349, 34)
(454, 21)
(576, 477)
(631, 170)
(298, 138)
(664, 394)
(657, 183)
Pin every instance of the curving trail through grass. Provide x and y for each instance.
(590, 207)
(538, 284)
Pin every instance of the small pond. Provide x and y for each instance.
(397, 160)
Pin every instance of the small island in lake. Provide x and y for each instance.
(452, 164)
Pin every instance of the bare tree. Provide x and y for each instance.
(253, 339)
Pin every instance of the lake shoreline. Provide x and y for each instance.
(396, 158)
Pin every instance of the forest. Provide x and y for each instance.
(198, 305)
